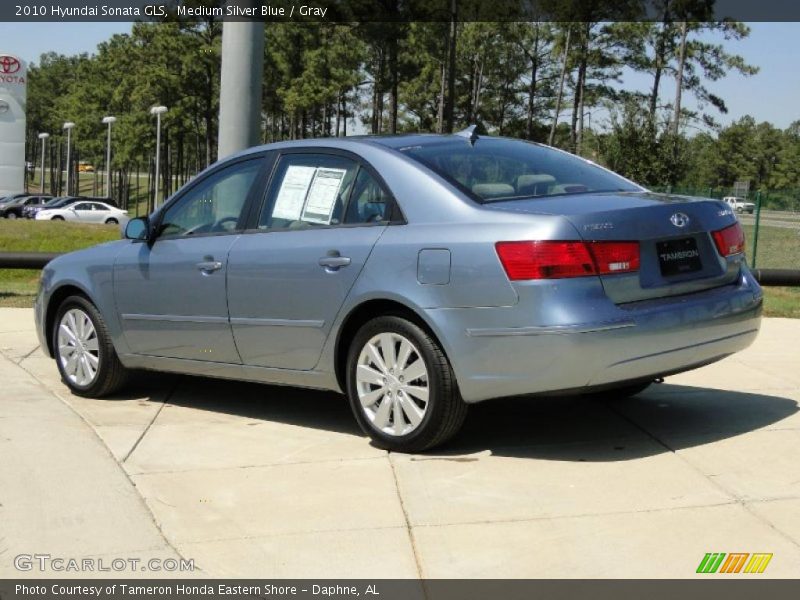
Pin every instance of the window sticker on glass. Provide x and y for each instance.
(322, 195)
(292, 195)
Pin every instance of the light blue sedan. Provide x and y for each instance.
(418, 274)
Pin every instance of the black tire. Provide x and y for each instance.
(445, 411)
(111, 374)
(621, 392)
(57, 218)
(112, 221)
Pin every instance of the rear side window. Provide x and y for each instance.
(308, 190)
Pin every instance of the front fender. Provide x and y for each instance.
(88, 272)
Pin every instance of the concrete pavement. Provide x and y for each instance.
(259, 481)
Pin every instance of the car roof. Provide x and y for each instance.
(394, 142)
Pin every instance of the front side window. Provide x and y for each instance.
(308, 190)
(214, 205)
(501, 169)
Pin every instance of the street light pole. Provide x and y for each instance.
(68, 126)
(157, 111)
(108, 120)
(43, 137)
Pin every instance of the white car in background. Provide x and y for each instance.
(740, 205)
(85, 212)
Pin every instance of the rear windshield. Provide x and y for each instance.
(492, 170)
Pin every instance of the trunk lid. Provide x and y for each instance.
(678, 254)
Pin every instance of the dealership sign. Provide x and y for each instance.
(13, 84)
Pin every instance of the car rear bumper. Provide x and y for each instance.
(621, 343)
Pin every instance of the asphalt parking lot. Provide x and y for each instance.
(251, 480)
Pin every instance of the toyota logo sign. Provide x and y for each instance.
(9, 64)
(679, 220)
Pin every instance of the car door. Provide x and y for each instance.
(100, 212)
(82, 211)
(171, 294)
(289, 275)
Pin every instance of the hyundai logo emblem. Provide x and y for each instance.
(679, 220)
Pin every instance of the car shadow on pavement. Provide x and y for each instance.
(662, 419)
(254, 401)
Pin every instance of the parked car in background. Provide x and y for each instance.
(11, 197)
(84, 167)
(740, 205)
(29, 212)
(13, 210)
(85, 212)
(416, 273)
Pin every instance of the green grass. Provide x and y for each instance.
(777, 248)
(18, 286)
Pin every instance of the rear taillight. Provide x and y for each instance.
(730, 240)
(549, 259)
(615, 257)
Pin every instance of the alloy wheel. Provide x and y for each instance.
(392, 384)
(78, 347)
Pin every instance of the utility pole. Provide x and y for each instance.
(108, 121)
(43, 137)
(240, 83)
(157, 111)
(68, 127)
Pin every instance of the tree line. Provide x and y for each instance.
(540, 81)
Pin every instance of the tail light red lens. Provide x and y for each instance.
(615, 257)
(730, 240)
(545, 259)
(554, 259)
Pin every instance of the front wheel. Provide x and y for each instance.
(57, 218)
(11, 215)
(112, 221)
(85, 356)
(401, 387)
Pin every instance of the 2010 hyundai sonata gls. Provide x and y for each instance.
(418, 274)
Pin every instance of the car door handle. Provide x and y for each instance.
(334, 262)
(209, 266)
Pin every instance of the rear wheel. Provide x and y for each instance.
(112, 221)
(11, 215)
(57, 218)
(401, 387)
(85, 356)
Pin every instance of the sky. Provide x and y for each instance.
(771, 95)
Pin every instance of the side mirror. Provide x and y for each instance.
(138, 229)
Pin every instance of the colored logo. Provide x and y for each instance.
(9, 64)
(735, 562)
(679, 220)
